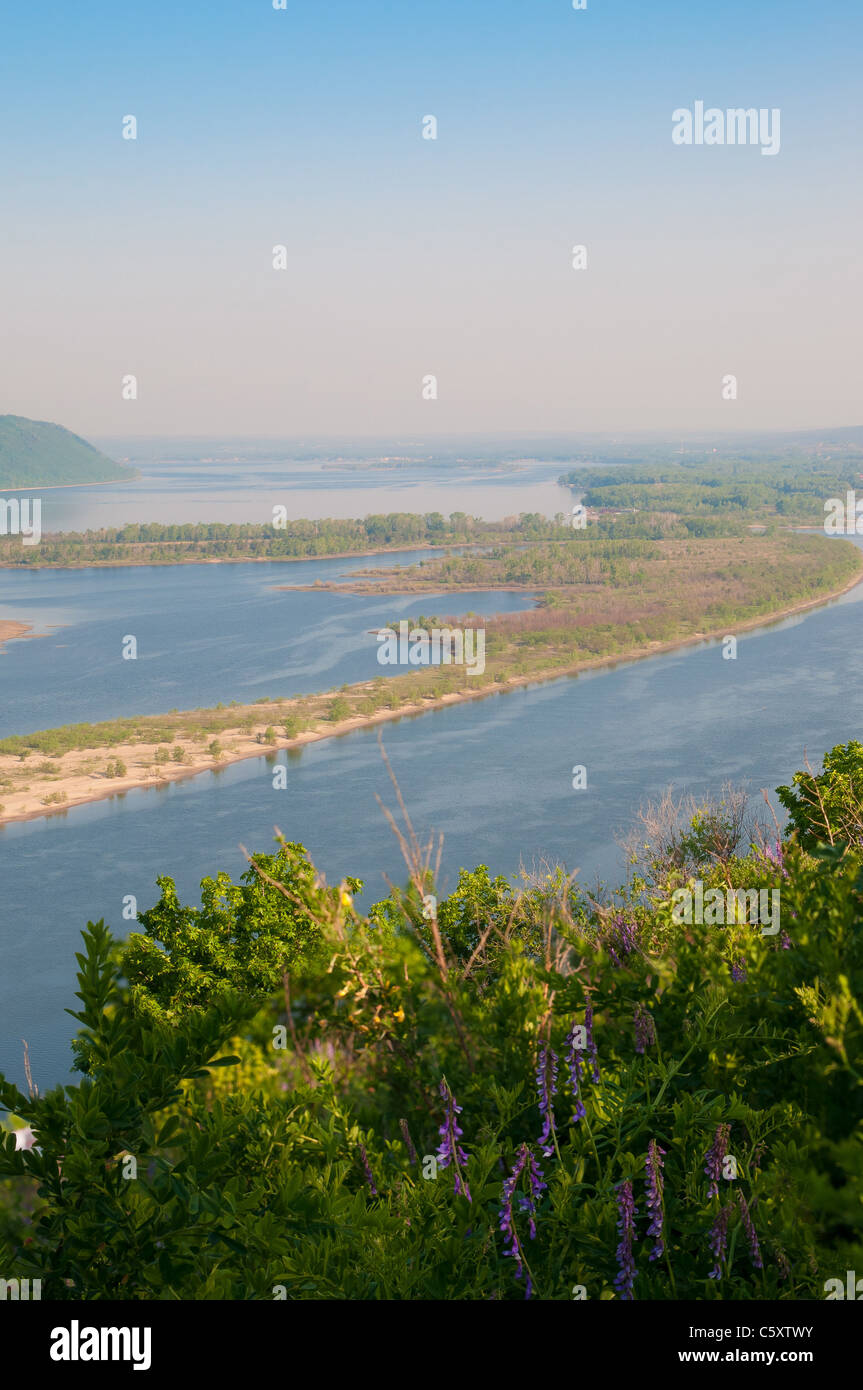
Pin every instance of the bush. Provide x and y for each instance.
(464, 1098)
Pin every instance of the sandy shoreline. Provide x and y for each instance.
(55, 487)
(10, 632)
(77, 777)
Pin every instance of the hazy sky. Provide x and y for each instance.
(408, 257)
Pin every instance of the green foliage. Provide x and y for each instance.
(828, 806)
(244, 936)
(267, 1057)
(704, 486)
(148, 543)
(34, 453)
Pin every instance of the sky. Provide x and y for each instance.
(408, 258)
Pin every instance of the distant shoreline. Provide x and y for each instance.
(243, 559)
(78, 783)
(52, 487)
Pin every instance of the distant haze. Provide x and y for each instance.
(407, 258)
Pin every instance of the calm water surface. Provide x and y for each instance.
(207, 482)
(205, 633)
(494, 775)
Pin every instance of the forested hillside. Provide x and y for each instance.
(34, 453)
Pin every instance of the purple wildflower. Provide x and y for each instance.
(719, 1240)
(546, 1085)
(738, 970)
(627, 1212)
(619, 938)
(653, 1169)
(785, 941)
(409, 1143)
(776, 857)
(754, 1250)
(591, 1045)
(715, 1157)
(524, 1161)
(364, 1158)
(645, 1029)
(449, 1150)
(573, 1061)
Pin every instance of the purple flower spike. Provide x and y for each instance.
(776, 857)
(524, 1162)
(591, 1045)
(719, 1240)
(409, 1143)
(754, 1249)
(645, 1030)
(449, 1150)
(619, 938)
(653, 1170)
(546, 1086)
(573, 1062)
(738, 970)
(364, 1158)
(627, 1212)
(715, 1157)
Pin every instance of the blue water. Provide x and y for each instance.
(208, 480)
(494, 775)
(205, 634)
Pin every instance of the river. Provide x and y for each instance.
(494, 775)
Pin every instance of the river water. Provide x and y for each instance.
(207, 480)
(494, 775)
(205, 634)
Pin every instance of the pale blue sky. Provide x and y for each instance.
(408, 257)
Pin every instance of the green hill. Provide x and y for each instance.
(34, 453)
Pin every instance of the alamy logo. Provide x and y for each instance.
(76, 1343)
(852, 1288)
(21, 518)
(844, 518)
(720, 907)
(736, 126)
(20, 1289)
(445, 646)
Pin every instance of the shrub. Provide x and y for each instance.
(506, 1091)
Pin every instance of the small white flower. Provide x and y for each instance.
(25, 1138)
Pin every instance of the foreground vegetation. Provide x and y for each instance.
(509, 1092)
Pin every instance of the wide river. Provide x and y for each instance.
(205, 633)
(495, 776)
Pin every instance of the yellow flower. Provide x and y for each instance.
(346, 899)
(399, 1014)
